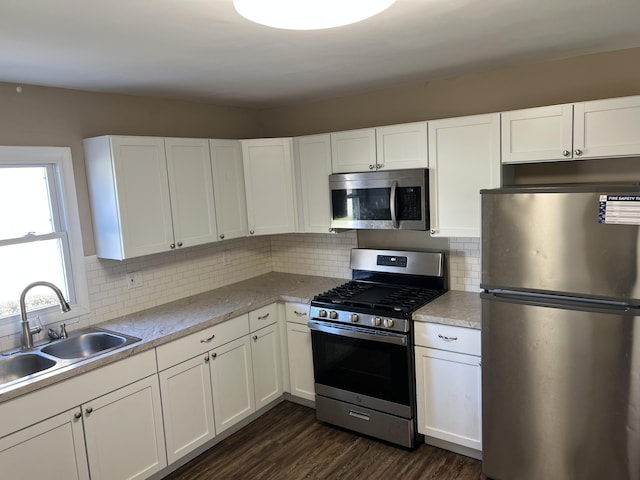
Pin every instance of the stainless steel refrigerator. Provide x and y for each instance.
(561, 333)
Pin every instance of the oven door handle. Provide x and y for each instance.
(392, 204)
(394, 338)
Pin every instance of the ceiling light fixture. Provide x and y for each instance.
(309, 14)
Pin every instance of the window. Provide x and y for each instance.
(39, 235)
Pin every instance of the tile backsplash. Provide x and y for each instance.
(173, 275)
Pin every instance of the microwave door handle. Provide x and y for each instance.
(392, 204)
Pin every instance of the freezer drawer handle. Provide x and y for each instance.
(361, 416)
(447, 339)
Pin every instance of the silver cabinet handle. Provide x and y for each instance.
(77, 415)
(173, 245)
(255, 338)
(433, 231)
(566, 153)
(252, 232)
(265, 316)
(214, 355)
(447, 339)
(222, 236)
(578, 152)
(207, 340)
(206, 359)
(371, 167)
(379, 165)
(179, 244)
(300, 314)
(89, 410)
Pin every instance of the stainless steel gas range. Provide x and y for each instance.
(362, 340)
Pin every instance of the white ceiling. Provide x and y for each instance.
(203, 50)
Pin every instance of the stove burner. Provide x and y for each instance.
(376, 296)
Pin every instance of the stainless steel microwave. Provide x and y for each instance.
(394, 199)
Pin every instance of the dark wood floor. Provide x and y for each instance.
(288, 443)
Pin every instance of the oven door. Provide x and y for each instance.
(363, 366)
(380, 200)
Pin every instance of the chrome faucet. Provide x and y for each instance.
(27, 331)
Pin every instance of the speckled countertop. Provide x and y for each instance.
(461, 309)
(164, 323)
(174, 320)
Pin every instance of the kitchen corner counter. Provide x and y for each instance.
(461, 309)
(170, 321)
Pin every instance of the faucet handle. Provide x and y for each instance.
(63, 330)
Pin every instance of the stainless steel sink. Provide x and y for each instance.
(22, 365)
(87, 343)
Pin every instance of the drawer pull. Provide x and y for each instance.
(265, 316)
(358, 415)
(300, 314)
(447, 339)
(207, 340)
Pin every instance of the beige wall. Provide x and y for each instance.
(59, 117)
(589, 77)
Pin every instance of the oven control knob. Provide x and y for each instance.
(376, 321)
(322, 313)
(388, 322)
(354, 318)
(333, 315)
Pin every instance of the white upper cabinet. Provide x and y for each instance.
(313, 162)
(393, 147)
(129, 191)
(594, 129)
(149, 194)
(269, 183)
(402, 146)
(228, 188)
(537, 134)
(464, 157)
(191, 191)
(353, 150)
(607, 128)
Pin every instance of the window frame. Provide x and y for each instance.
(64, 199)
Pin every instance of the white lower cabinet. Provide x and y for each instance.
(267, 369)
(448, 386)
(57, 442)
(300, 353)
(124, 432)
(187, 406)
(232, 383)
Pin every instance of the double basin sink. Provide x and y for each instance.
(81, 345)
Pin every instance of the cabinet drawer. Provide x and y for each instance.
(197, 343)
(297, 312)
(448, 337)
(263, 317)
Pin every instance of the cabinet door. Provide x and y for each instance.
(300, 361)
(129, 190)
(607, 128)
(537, 134)
(228, 188)
(448, 391)
(187, 406)
(402, 146)
(268, 173)
(353, 150)
(314, 167)
(53, 448)
(124, 433)
(267, 370)
(232, 383)
(191, 191)
(464, 157)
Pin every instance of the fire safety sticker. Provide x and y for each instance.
(619, 209)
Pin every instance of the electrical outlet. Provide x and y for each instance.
(134, 279)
